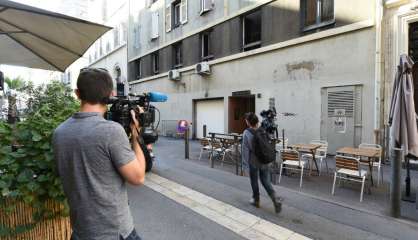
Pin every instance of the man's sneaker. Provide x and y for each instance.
(255, 203)
(277, 204)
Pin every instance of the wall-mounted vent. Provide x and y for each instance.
(341, 100)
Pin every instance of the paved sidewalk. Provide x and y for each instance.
(302, 213)
(241, 222)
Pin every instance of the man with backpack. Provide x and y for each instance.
(258, 151)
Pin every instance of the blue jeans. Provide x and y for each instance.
(264, 173)
(132, 236)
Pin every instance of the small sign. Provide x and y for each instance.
(340, 121)
(182, 126)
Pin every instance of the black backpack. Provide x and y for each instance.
(264, 146)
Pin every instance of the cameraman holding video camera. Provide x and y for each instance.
(95, 160)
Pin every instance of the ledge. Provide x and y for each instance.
(395, 3)
(297, 41)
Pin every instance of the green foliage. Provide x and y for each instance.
(16, 83)
(29, 174)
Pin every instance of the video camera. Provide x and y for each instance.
(269, 121)
(120, 111)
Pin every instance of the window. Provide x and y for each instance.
(155, 63)
(107, 47)
(205, 39)
(317, 13)
(251, 27)
(206, 6)
(116, 37)
(68, 81)
(176, 14)
(154, 25)
(124, 32)
(100, 47)
(137, 31)
(137, 70)
(177, 55)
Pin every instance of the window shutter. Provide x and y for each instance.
(311, 10)
(154, 29)
(168, 18)
(207, 5)
(183, 11)
(327, 10)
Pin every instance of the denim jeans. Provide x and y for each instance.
(264, 173)
(132, 236)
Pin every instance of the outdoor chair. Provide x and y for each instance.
(292, 161)
(279, 144)
(205, 146)
(376, 164)
(216, 147)
(228, 149)
(348, 168)
(321, 154)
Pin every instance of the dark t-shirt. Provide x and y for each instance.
(88, 152)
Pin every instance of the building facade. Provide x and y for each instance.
(315, 59)
(109, 51)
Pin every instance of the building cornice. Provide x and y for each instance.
(211, 25)
(297, 41)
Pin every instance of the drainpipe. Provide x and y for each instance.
(378, 114)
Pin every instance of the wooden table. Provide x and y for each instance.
(370, 153)
(310, 148)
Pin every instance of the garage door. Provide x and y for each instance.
(211, 114)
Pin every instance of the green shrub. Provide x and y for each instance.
(28, 172)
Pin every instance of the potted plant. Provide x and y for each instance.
(32, 203)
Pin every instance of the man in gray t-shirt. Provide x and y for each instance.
(94, 160)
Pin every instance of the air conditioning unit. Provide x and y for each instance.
(174, 75)
(203, 68)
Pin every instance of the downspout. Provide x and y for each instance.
(378, 114)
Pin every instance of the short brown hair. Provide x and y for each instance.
(251, 118)
(94, 85)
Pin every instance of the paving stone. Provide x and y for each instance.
(273, 230)
(252, 234)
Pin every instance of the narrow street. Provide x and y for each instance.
(159, 215)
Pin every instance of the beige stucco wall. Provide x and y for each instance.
(294, 76)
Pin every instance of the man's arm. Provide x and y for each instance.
(245, 148)
(134, 171)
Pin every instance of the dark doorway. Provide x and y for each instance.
(238, 106)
